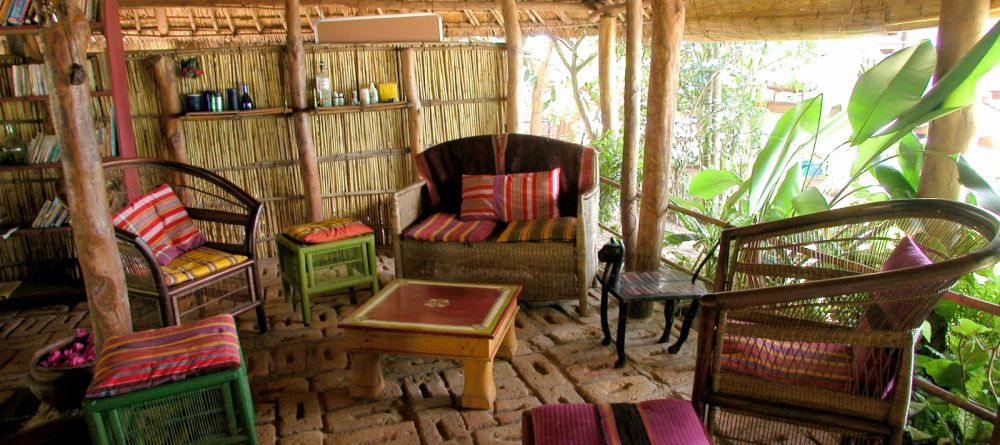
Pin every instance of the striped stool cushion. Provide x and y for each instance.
(327, 231)
(660, 422)
(543, 230)
(151, 358)
(447, 227)
(198, 263)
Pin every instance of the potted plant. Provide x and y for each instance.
(60, 372)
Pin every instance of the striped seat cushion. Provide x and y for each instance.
(530, 196)
(198, 263)
(542, 230)
(140, 218)
(151, 358)
(481, 197)
(447, 227)
(819, 365)
(328, 231)
(660, 422)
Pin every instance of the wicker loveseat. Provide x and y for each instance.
(546, 271)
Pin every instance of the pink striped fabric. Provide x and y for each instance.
(479, 197)
(183, 233)
(140, 218)
(656, 422)
(529, 196)
(447, 227)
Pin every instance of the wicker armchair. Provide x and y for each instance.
(807, 337)
(225, 214)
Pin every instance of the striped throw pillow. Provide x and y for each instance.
(480, 195)
(529, 196)
(543, 230)
(183, 233)
(447, 227)
(140, 218)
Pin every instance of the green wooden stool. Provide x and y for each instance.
(310, 269)
(181, 384)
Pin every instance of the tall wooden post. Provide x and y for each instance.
(65, 45)
(512, 30)
(959, 28)
(607, 42)
(630, 140)
(300, 119)
(415, 109)
(165, 80)
(664, 73)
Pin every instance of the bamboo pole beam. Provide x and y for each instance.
(169, 99)
(229, 20)
(162, 25)
(959, 28)
(664, 74)
(415, 108)
(256, 20)
(65, 43)
(446, 5)
(215, 21)
(630, 150)
(606, 44)
(296, 61)
(512, 32)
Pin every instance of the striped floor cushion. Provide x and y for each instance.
(198, 263)
(447, 227)
(660, 422)
(328, 231)
(543, 230)
(151, 358)
(819, 365)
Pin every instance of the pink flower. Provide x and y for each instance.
(81, 332)
(77, 361)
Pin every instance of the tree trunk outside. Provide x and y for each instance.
(541, 69)
(630, 143)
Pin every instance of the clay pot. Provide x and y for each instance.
(63, 388)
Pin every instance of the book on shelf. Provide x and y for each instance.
(52, 214)
(24, 80)
(22, 12)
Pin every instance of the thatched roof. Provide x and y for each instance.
(186, 23)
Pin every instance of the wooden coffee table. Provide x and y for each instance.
(469, 322)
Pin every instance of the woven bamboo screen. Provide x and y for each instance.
(362, 153)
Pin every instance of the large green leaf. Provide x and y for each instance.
(893, 181)
(890, 88)
(911, 159)
(986, 197)
(811, 200)
(871, 149)
(796, 128)
(946, 373)
(781, 206)
(957, 88)
(708, 184)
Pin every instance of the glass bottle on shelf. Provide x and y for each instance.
(354, 98)
(13, 149)
(246, 103)
(324, 93)
(373, 92)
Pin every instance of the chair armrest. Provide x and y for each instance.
(586, 228)
(406, 208)
(142, 272)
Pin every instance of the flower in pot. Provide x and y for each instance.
(61, 371)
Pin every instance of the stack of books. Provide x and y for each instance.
(28, 80)
(52, 214)
(43, 148)
(22, 12)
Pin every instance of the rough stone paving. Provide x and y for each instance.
(299, 375)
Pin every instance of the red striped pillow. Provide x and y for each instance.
(447, 227)
(140, 218)
(480, 195)
(529, 196)
(183, 233)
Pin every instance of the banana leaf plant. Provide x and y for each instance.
(888, 102)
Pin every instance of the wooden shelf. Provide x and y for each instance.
(212, 115)
(27, 230)
(357, 108)
(98, 93)
(33, 29)
(43, 166)
(34, 293)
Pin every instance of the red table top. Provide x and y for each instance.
(431, 307)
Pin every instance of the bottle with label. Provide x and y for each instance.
(246, 103)
(374, 93)
(366, 97)
(324, 92)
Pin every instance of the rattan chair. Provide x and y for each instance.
(807, 340)
(225, 214)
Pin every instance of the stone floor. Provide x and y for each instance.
(299, 375)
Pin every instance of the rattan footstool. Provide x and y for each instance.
(180, 384)
(326, 256)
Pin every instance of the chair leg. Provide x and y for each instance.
(604, 319)
(620, 340)
(668, 318)
(261, 319)
(685, 327)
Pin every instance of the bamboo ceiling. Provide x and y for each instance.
(153, 24)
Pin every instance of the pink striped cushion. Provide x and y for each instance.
(659, 422)
(183, 233)
(819, 365)
(140, 218)
(447, 227)
(151, 358)
(479, 197)
(529, 196)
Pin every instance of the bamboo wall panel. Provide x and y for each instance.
(148, 140)
(375, 130)
(145, 107)
(339, 64)
(329, 134)
(376, 66)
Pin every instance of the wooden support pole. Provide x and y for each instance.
(65, 45)
(607, 42)
(512, 31)
(300, 119)
(162, 24)
(415, 109)
(959, 28)
(664, 74)
(630, 142)
(541, 70)
(165, 81)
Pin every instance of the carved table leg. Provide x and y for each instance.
(479, 391)
(508, 346)
(366, 375)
